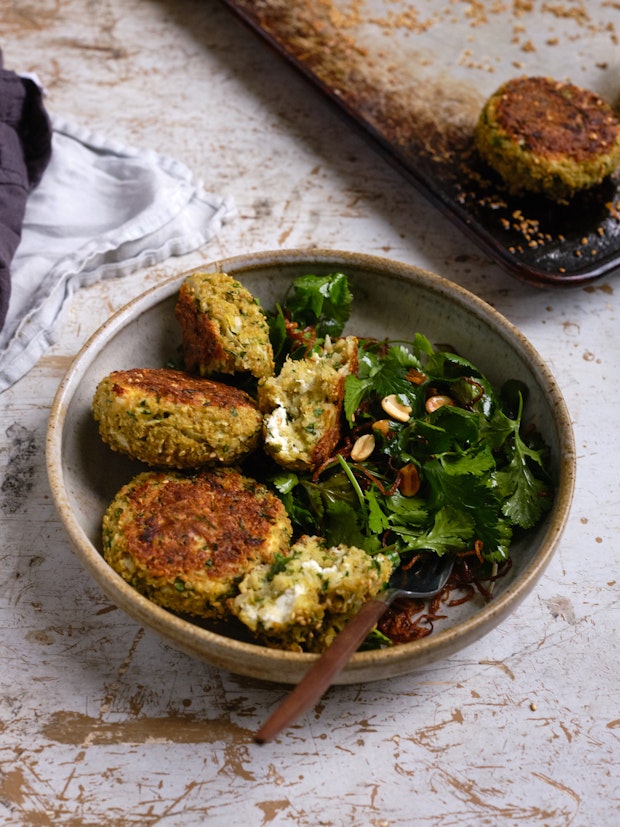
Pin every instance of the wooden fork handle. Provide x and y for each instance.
(317, 679)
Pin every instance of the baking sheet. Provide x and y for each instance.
(414, 76)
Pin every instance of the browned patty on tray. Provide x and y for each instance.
(545, 136)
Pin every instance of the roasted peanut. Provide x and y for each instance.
(433, 403)
(416, 377)
(409, 480)
(363, 447)
(395, 408)
(383, 426)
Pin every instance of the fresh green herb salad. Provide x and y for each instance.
(432, 458)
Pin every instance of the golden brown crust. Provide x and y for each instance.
(202, 344)
(178, 388)
(223, 328)
(217, 519)
(171, 419)
(185, 540)
(556, 119)
(544, 136)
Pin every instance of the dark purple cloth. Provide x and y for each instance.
(25, 151)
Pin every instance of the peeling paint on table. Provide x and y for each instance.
(103, 723)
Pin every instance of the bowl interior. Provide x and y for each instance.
(390, 299)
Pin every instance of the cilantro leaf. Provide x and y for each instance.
(441, 362)
(526, 496)
(467, 484)
(378, 520)
(343, 525)
(321, 302)
(277, 334)
(495, 536)
(497, 429)
(462, 427)
(451, 530)
(355, 391)
(284, 481)
(477, 462)
(406, 510)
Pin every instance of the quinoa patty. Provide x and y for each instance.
(223, 328)
(301, 602)
(302, 406)
(171, 419)
(184, 541)
(548, 137)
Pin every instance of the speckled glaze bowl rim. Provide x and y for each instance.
(255, 660)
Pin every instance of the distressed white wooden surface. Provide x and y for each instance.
(101, 723)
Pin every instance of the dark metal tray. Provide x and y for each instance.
(415, 76)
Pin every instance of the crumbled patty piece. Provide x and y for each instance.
(302, 601)
(303, 405)
(184, 541)
(223, 328)
(548, 137)
(172, 419)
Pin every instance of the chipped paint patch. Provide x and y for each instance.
(561, 606)
(19, 476)
(77, 729)
(500, 665)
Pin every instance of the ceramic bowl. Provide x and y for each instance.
(391, 299)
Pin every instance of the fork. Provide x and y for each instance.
(426, 578)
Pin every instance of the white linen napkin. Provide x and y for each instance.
(101, 210)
